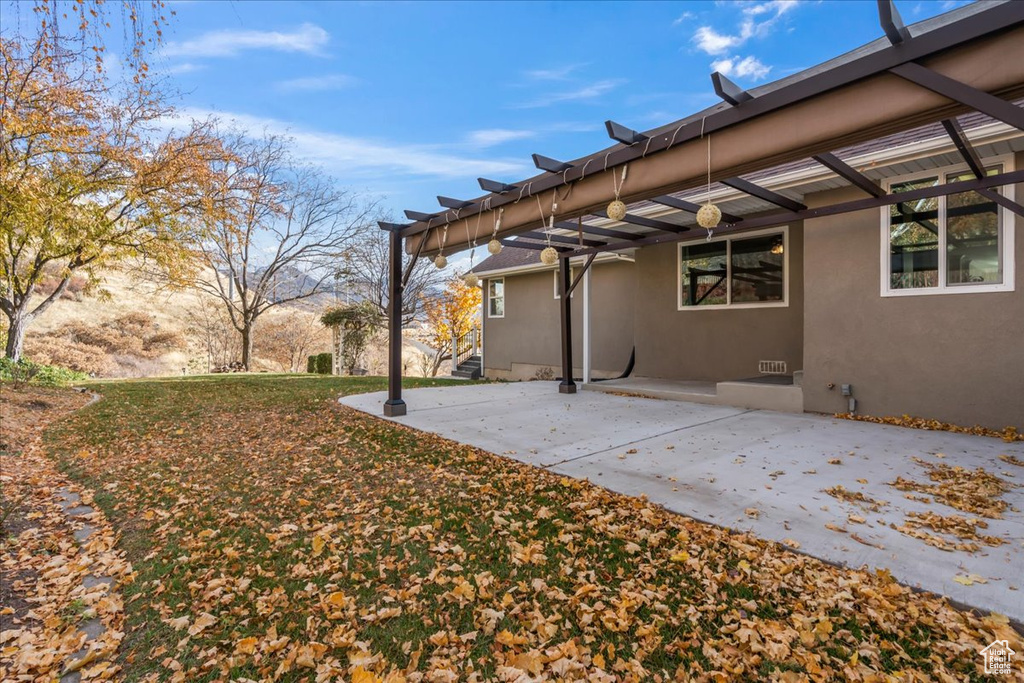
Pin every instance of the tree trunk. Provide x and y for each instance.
(247, 346)
(15, 335)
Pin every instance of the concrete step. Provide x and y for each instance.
(467, 374)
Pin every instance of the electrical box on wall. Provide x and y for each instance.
(847, 389)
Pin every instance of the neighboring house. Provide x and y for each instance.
(919, 307)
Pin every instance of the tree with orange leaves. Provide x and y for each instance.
(89, 176)
(450, 314)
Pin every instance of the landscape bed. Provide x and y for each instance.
(277, 535)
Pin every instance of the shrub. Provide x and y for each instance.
(311, 364)
(323, 363)
(35, 373)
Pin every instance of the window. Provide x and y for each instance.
(496, 298)
(737, 272)
(952, 244)
(558, 289)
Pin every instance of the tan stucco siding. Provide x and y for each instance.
(712, 345)
(528, 338)
(953, 357)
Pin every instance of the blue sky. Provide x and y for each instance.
(411, 100)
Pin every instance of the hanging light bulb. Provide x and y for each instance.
(709, 216)
(549, 256)
(778, 247)
(494, 247)
(440, 261)
(472, 279)
(617, 210)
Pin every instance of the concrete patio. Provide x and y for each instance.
(754, 470)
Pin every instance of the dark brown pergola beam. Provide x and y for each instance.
(419, 215)
(520, 244)
(620, 133)
(690, 207)
(581, 273)
(729, 91)
(993, 106)
(849, 173)
(777, 219)
(450, 203)
(647, 222)
(495, 186)
(970, 155)
(967, 151)
(763, 193)
(561, 239)
(550, 165)
(594, 230)
(892, 23)
(940, 39)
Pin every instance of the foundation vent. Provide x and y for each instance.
(771, 367)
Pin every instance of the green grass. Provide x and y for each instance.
(222, 487)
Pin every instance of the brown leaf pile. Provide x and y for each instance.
(1007, 434)
(278, 536)
(43, 596)
(961, 527)
(842, 493)
(976, 491)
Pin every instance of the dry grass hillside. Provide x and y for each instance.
(130, 327)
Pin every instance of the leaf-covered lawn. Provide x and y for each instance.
(278, 535)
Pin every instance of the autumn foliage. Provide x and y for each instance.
(450, 314)
(276, 535)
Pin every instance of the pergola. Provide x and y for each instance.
(969, 60)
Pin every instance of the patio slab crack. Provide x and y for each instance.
(645, 438)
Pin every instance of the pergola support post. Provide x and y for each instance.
(568, 385)
(395, 406)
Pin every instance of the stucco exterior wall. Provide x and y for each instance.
(953, 357)
(526, 343)
(707, 344)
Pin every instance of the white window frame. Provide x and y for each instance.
(502, 297)
(1007, 223)
(572, 276)
(728, 239)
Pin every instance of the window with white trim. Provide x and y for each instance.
(735, 272)
(958, 243)
(496, 298)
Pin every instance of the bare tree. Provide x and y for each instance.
(367, 273)
(280, 235)
(209, 323)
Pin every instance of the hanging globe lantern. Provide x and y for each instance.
(471, 278)
(617, 210)
(549, 256)
(494, 247)
(709, 216)
(440, 261)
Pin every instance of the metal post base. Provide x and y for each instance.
(394, 408)
(567, 388)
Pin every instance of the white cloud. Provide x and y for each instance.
(758, 20)
(683, 17)
(184, 68)
(496, 136)
(745, 67)
(308, 39)
(559, 73)
(586, 92)
(347, 156)
(317, 83)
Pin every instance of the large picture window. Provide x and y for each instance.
(736, 272)
(496, 298)
(951, 244)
